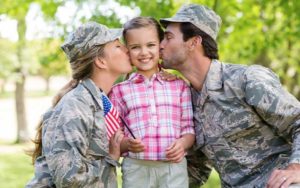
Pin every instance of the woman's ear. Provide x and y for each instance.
(100, 63)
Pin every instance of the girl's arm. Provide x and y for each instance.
(176, 152)
(132, 145)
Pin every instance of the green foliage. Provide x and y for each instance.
(111, 20)
(15, 9)
(264, 32)
(8, 58)
(156, 9)
(52, 60)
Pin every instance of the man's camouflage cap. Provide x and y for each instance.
(201, 16)
(87, 36)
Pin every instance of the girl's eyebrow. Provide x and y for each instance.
(133, 44)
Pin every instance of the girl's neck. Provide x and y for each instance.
(148, 73)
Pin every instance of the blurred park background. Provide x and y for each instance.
(33, 68)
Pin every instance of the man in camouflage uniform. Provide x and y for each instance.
(247, 125)
(75, 150)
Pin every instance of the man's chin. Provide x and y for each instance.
(165, 65)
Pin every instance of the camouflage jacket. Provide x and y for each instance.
(75, 145)
(246, 125)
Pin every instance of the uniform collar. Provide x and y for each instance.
(214, 80)
(94, 91)
(139, 78)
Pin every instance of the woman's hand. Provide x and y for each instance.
(114, 145)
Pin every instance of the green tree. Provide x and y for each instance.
(157, 9)
(52, 61)
(8, 59)
(261, 32)
(18, 10)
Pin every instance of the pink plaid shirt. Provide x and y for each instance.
(157, 111)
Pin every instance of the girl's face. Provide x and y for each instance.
(143, 46)
(116, 54)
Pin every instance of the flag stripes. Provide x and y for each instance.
(111, 116)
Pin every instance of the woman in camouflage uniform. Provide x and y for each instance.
(72, 145)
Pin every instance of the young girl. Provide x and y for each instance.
(72, 145)
(158, 113)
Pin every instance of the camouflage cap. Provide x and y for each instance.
(201, 16)
(86, 36)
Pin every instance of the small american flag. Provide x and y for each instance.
(111, 116)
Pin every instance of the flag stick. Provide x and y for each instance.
(125, 124)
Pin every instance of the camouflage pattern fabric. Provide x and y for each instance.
(246, 125)
(200, 16)
(75, 145)
(86, 36)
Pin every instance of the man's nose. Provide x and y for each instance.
(161, 45)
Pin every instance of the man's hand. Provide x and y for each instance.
(284, 178)
(168, 76)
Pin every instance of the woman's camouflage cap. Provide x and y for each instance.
(201, 16)
(87, 36)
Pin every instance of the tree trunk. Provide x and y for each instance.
(215, 5)
(47, 89)
(22, 132)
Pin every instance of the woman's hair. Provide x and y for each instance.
(209, 44)
(140, 22)
(82, 68)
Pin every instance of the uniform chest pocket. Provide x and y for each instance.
(241, 132)
(99, 144)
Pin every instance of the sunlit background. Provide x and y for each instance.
(33, 67)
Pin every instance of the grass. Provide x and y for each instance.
(16, 170)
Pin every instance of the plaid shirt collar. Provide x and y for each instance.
(139, 78)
